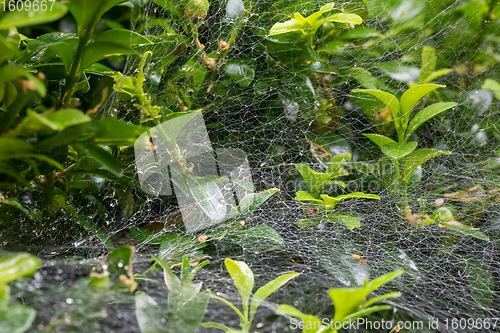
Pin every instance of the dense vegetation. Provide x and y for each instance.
(371, 129)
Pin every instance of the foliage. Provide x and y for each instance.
(15, 318)
(316, 182)
(349, 303)
(243, 279)
(402, 153)
(186, 304)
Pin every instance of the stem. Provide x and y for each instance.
(74, 71)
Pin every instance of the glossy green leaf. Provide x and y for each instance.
(347, 301)
(285, 27)
(348, 220)
(389, 100)
(148, 314)
(112, 42)
(418, 157)
(243, 280)
(26, 18)
(426, 114)
(331, 202)
(397, 150)
(17, 318)
(434, 75)
(265, 291)
(252, 202)
(343, 18)
(371, 286)
(48, 123)
(412, 96)
(88, 13)
(260, 231)
(106, 159)
(311, 323)
(316, 181)
(112, 131)
(16, 265)
(240, 72)
(306, 196)
(379, 140)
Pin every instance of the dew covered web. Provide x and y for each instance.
(287, 107)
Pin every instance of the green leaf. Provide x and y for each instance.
(347, 301)
(463, 229)
(173, 283)
(342, 18)
(316, 181)
(16, 265)
(418, 157)
(411, 97)
(106, 159)
(148, 314)
(365, 312)
(311, 323)
(397, 150)
(251, 202)
(45, 124)
(374, 300)
(429, 62)
(189, 316)
(11, 72)
(13, 148)
(243, 280)
(388, 99)
(240, 72)
(119, 262)
(434, 75)
(379, 140)
(381, 280)
(331, 202)
(88, 13)
(260, 231)
(17, 318)
(112, 42)
(493, 86)
(265, 291)
(62, 44)
(212, 324)
(332, 47)
(26, 18)
(348, 220)
(112, 131)
(306, 196)
(426, 114)
(285, 27)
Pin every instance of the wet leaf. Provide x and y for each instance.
(397, 150)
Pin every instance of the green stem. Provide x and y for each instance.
(74, 71)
